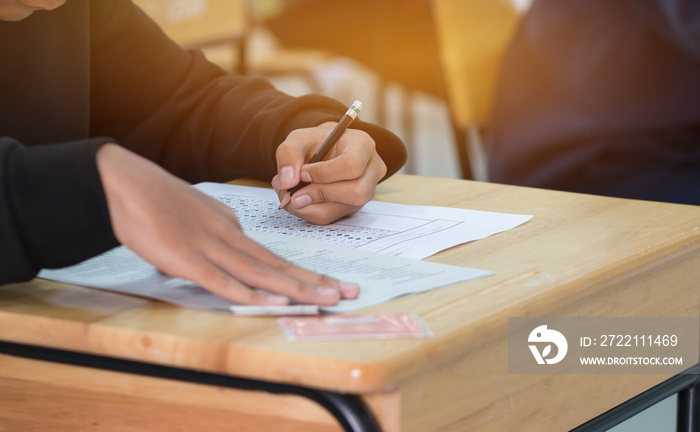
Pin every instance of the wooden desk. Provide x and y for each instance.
(579, 256)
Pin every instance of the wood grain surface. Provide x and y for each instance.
(580, 255)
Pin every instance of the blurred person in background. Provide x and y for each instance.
(602, 97)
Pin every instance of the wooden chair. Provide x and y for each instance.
(472, 36)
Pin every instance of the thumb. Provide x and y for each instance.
(293, 153)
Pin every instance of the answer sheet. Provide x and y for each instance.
(406, 231)
(378, 248)
(381, 277)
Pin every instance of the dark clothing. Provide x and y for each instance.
(602, 97)
(101, 68)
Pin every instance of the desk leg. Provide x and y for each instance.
(350, 411)
(685, 385)
(688, 419)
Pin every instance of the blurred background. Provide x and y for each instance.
(425, 69)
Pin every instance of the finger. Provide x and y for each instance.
(204, 273)
(282, 194)
(228, 214)
(294, 151)
(288, 176)
(254, 266)
(354, 193)
(262, 254)
(348, 290)
(272, 273)
(258, 275)
(340, 168)
(348, 160)
(323, 213)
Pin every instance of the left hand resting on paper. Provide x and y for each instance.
(340, 185)
(187, 234)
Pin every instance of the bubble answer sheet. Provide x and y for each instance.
(401, 230)
(379, 248)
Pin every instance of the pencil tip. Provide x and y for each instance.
(285, 201)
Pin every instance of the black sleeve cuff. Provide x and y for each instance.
(53, 212)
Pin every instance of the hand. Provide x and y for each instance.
(340, 185)
(187, 234)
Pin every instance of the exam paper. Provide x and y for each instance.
(381, 277)
(406, 231)
(377, 248)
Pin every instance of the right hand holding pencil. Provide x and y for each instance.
(340, 185)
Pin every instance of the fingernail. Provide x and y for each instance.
(286, 175)
(328, 292)
(305, 176)
(277, 300)
(302, 200)
(349, 289)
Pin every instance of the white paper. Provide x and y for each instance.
(394, 229)
(381, 277)
(376, 248)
